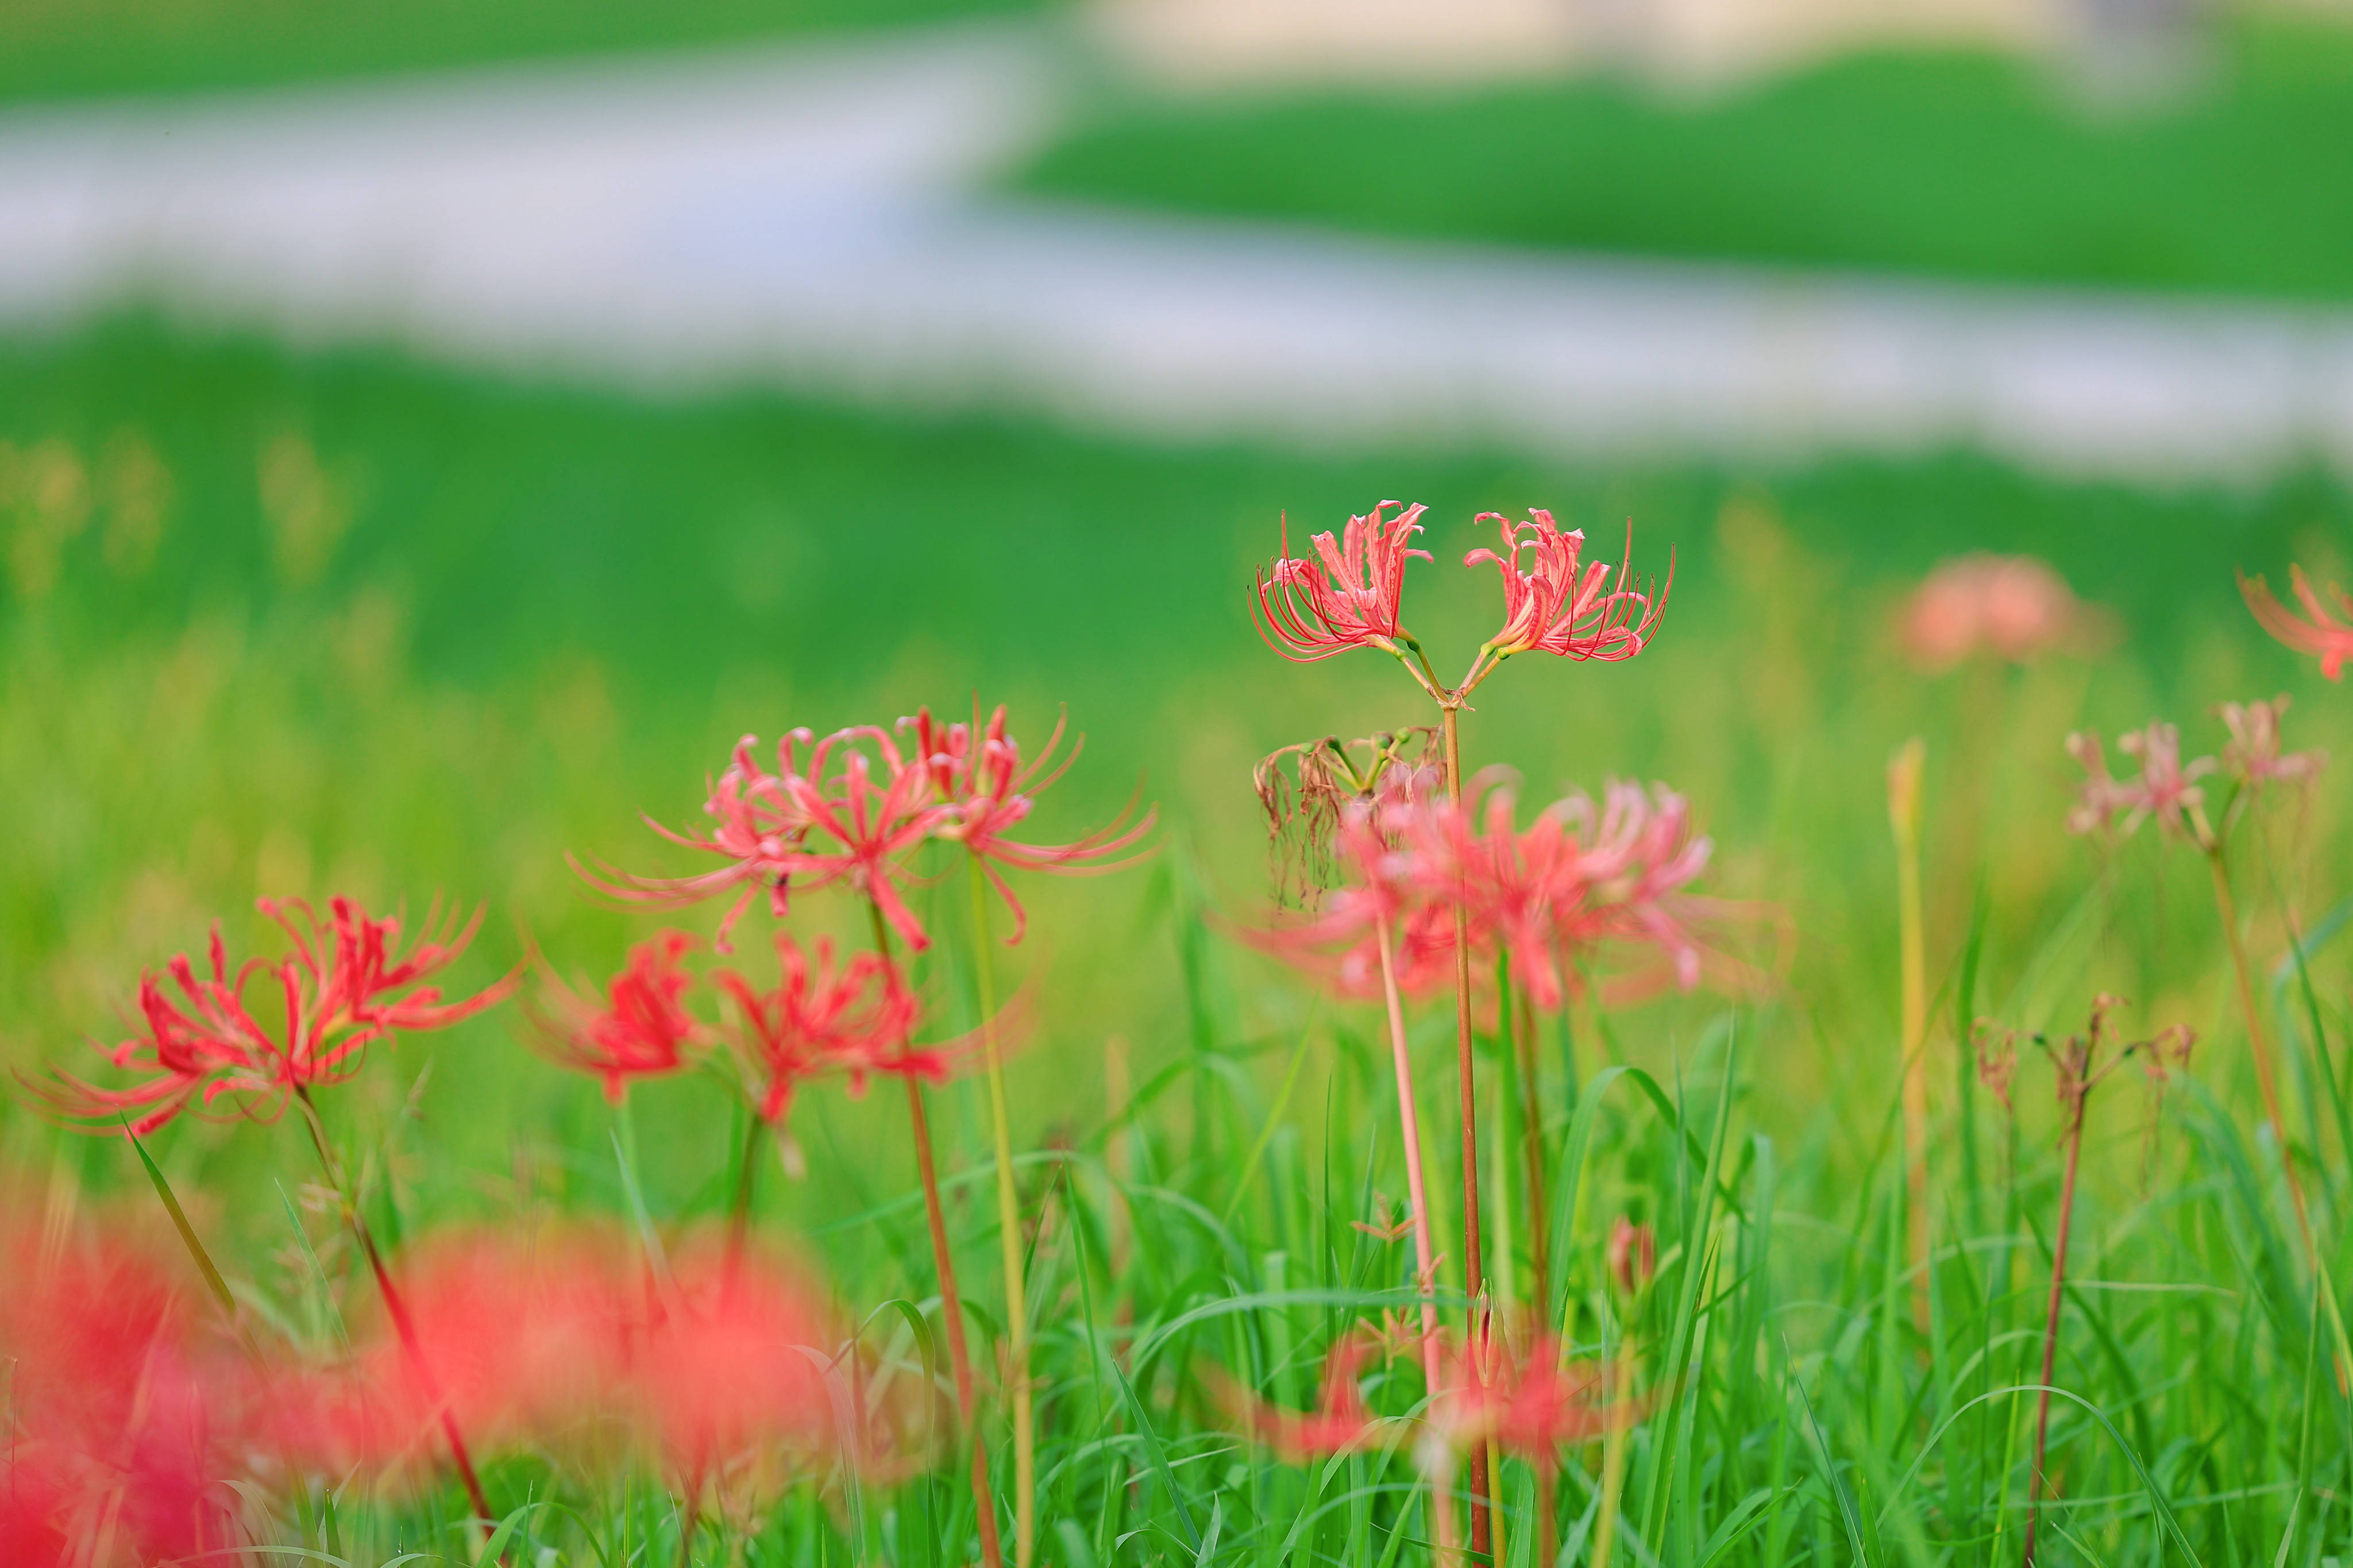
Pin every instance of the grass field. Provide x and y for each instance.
(338, 621)
(1951, 164)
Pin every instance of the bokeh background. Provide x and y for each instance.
(430, 435)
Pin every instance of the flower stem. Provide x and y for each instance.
(395, 1308)
(739, 1206)
(1425, 1261)
(2075, 1135)
(992, 1552)
(1475, 1277)
(1533, 1155)
(2266, 1073)
(1903, 817)
(1009, 1218)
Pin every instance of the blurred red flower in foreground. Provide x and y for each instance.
(642, 1028)
(575, 1343)
(1348, 595)
(1555, 605)
(2013, 606)
(978, 774)
(346, 986)
(122, 1422)
(2320, 632)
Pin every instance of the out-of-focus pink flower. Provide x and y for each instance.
(346, 986)
(1641, 854)
(122, 1422)
(1532, 1405)
(1348, 594)
(2167, 788)
(1554, 603)
(978, 774)
(566, 1341)
(2254, 754)
(736, 1368)
(2013, 606)
(642, 1028)
(2320, 632)
(1582, 880)
(1633, 1255)
(818, 1018)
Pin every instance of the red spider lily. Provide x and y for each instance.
(733, 1369)
(2254, 753)
(871, 823)
(643, 1028)
(1511, 882)
(2320, 632)
(1641, 854)
(1581, 880)
(1554, 603)
(1531, 1405)
(761, 821)
(1348, 595)
(817, 1019)
(122, 1423)
(830, 821)
(1633, 1255)
(977, 773)
(346, 986)
(2166, 790)
(568, 1342)
(2013, 606)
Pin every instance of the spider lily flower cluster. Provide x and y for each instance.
(1349, 594)
(853, 807)
(849, 810)
(1582, 884)
(245, 1041)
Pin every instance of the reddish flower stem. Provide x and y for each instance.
(2075, 1135)
(1425, 1259)
(992, 1551)
(1473, 1273)
(395, 1308)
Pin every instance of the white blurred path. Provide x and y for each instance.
(812, 219)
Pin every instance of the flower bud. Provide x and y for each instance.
(1633, 1255)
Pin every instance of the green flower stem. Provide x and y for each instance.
(1008, 1217)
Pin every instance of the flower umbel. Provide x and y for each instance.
(818, 1018)
(986, 793)
(1348, 594)
(1559, 604)
(641, 1029)
(346, 985)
